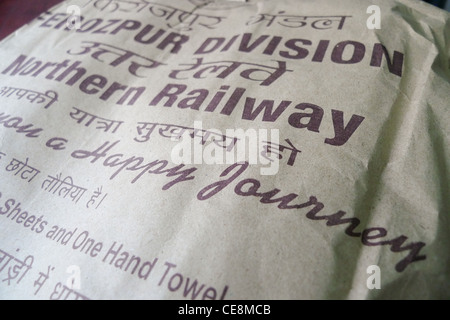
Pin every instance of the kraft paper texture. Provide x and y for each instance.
(119, 121)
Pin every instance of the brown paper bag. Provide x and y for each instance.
(226, 150)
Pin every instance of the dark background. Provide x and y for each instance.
(16, 13)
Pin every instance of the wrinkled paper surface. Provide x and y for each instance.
(355, 205)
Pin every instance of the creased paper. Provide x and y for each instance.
(226, 150)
